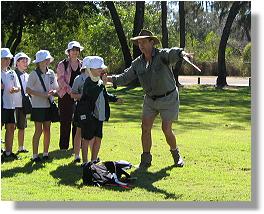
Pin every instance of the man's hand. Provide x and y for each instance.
(189, 55)
(104, 78)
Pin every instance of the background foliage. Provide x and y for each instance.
(51, 25)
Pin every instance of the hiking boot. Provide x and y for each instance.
(178, 161)
(146, 159)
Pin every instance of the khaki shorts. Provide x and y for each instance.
(167, 107)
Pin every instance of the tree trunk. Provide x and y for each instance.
(177, 67)
(222, 73)
(19, 35)
(164, 24)
(138, 25)
(120, 33)
(13, 35)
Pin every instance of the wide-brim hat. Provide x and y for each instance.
(43, 55)
(5, 53)
(143, 35)
(94, 62)
(73, 44)
(21, 55)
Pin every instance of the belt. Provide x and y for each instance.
(154, 97)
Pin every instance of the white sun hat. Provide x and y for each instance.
(73, 44)
(93, 62)
(43, 55)
(5, 53)
(21, 55)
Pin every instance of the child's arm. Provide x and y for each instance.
(114, 98)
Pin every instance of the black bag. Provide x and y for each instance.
(84, 116)
(100, 174)
(26, 100)
(54, 110)
(26, 103)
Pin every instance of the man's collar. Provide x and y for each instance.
(153, 53)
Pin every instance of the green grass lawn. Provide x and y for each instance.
(213, 134)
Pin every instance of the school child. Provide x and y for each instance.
(42, 77)
(93, 108)
(21, 62)
(10, 85)
(77, 90)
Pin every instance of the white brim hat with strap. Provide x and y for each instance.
(43, 55)
(93, 62)
(73, 44)
(6, 53)
(19, 56)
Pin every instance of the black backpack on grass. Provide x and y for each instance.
(102, 173)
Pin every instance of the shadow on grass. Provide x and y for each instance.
(68, 174)
(145, 180)
(233, 104)
(27, 169)
(31, 166)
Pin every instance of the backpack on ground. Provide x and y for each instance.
(103, 173)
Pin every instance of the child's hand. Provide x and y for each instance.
(120, 101)
(14, 90)
(2, 85)
(52, 92)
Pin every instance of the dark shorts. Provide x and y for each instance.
(8, 116)
(21, 119)
(92, 129)
(40, 114)
(75, 121)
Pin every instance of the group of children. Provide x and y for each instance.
(88, 91)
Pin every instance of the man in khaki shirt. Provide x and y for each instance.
(153, 69)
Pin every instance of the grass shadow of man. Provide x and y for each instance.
(146, 179)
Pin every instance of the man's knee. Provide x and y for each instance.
(166, 128)
(146, 127)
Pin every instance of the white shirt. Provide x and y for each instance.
(10, 80)
(18, 96)
(34, 84)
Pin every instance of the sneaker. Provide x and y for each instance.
(22, 151)
(12, 155)
(96, 161)
(77, 160)
(46, 158)
(36, 160)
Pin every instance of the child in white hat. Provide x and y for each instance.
(9, 86)
(93, 108)
(41, 99)
(21, 62)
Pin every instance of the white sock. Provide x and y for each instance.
(21, 148)
(7, 153)
(45, 154)
(77, 157)
(35, 156)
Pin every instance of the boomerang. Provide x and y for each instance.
(187, 60)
